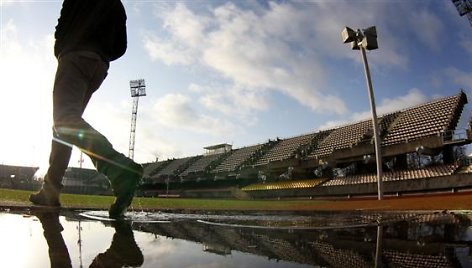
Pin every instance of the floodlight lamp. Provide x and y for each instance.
(355, 45)
(348, 35)
(137, 83)
(138, 88)
(372, 31)
(369, 41)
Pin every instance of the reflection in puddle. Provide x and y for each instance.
(67, 239)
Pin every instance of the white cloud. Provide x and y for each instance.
(186, 26)
(250, 49)
(332, 124)
(27, 70)
(412, 98)
(6, 2)
(281, 47)
(235, 103)
(167, 51)
(467, 45)
(459, 77)
(332, 17)
(176, 111)
(428, 28)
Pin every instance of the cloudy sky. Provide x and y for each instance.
(237, 72)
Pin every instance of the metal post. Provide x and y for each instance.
(167, 186)
(138, 89)
(378, 247)
(377, 141)
(134, 115)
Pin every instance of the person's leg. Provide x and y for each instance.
(76, 80)
(79, 75)
(67, 98)
(122, 172)
(58, 162)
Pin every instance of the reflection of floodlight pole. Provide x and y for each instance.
(379, 246)
(138, 89)
(367, 39)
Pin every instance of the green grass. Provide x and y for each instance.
(458, 201)
(20, 198)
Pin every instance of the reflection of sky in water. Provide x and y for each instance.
(467, 235)
(21, 242)
(23, 245)
(167, 252)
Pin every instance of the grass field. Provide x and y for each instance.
(458, 201)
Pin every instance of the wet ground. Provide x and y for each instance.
(68, 238)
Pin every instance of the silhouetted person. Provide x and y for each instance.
(123, 251)
(58, 253)
(89, 35)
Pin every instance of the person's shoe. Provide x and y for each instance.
(123, 251)
(44, 198)
(124, 186)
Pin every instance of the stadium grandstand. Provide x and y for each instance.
(419, 240)
(18, 177)
(422, 150)
(76, 180)
(85, 181)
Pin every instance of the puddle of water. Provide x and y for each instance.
(68, 239)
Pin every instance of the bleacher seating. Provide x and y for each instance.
(19, 172)
(295, 184)
(423, 173)
(384, 122)
(340, 257)
(174, 166)
(342, 137)
(151, 168)
(436, 218)
(201, 164)
(282, 249)
(403, 259)
(428, 119)
(236, 158)
(286, 148)
(83, 173)
(465, 169)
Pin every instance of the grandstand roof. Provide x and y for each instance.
(217, 146)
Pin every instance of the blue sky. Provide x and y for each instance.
(237, 72)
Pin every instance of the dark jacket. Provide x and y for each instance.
(92, 25)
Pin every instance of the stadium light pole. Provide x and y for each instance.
(367, 40)
(138, 89)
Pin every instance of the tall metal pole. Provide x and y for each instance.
(134, 115)
(379, 246)
(138, 89)
(377, 141)
(81, 159)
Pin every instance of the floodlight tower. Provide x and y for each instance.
(362, 40)
(464, 7)
(138, 89)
